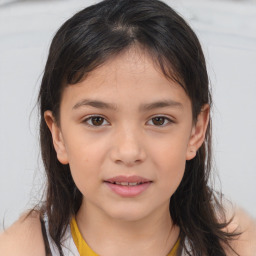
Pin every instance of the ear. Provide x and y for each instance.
(198, 132)
(57, 137)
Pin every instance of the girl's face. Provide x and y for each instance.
(126, 123)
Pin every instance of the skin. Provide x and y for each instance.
(127, 142)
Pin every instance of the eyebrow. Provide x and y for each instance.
(95, 104)
(160, 104)
(142, 108)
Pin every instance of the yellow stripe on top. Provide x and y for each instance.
(85, 250)
(174, 249)
(81, 245)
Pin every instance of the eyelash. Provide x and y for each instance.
(166, 119)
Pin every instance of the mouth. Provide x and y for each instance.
(128, 186)
(128, 180)
(124, 183)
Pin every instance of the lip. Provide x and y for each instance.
(128, 190)
(130, 179)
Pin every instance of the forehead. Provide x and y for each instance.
(131, 76)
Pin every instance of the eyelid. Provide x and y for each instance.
(85, 121)
(170, 120)
(87, 118)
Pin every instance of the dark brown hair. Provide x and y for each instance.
(85, 42)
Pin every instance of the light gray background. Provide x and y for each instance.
(227, 30)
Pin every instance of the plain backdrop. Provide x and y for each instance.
(227, 30)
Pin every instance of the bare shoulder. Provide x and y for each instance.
(24, 237)
(243, 223)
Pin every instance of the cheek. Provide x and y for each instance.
(85, 159)
(170, 160)
(85, 150)
(171, 174)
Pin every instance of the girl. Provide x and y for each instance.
(126, 142)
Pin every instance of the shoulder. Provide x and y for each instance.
(243, 223)
(24, 237)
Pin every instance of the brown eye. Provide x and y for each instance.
(95, 121)
(158, 120)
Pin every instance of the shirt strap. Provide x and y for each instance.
(46, 242)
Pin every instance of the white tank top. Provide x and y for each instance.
(69, 247)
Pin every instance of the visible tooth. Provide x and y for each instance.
(133, 183)
(124, 183)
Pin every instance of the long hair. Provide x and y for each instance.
(86, 41)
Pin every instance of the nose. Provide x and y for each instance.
(127, 147)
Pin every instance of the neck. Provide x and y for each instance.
(109, 236)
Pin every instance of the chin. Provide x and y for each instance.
(126, 214)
